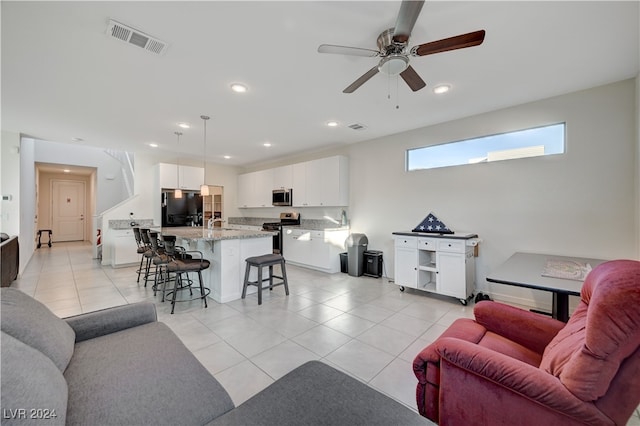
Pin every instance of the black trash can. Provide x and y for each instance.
(373, 263)
(344, 262)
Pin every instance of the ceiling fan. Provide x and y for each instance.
(392, 48)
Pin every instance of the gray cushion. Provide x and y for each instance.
(33, 389)
(142, 375)
(317, 394)
(32, 323)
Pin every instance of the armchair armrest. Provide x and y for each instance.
(508, 377)
(106, 321)
(531, 330)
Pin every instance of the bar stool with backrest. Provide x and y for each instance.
(148, 254)
(182, 263)
(261, 262)
(142, 249)
(159, 258)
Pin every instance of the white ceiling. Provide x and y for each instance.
(62, 77)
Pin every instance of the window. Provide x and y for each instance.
(547, 140)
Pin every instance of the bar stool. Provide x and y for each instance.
(182, 262)
(148, 254)
(260, 262)
(142, 249)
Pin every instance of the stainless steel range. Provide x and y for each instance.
(288, 218)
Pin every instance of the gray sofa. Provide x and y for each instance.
(120, 366)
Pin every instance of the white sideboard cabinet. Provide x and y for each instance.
(442, 264)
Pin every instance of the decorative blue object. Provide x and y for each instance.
(432, 225)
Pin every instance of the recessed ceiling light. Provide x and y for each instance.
(77, 139)
(153, 145)
(239, 88)
(267, 144)
(442, 88)
(226, 157)
(184, 125)
(67, 171)
(332, 123)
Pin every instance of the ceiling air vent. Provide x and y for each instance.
(130, 35)
(357, 126)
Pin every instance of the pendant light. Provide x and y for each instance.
(204, 188)
(177, 193)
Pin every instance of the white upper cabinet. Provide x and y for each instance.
(283, 177)
(245, 189)
(299, 184)
(189, 177)
(254, 189)
(323, 182)
(315, 183)
(168, 175)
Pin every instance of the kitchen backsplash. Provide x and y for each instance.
(304, 223)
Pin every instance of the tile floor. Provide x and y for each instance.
(361, 325)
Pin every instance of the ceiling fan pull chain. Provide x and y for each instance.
(397, 92)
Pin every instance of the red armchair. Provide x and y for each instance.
(512, 366)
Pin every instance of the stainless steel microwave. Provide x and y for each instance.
(281, 197)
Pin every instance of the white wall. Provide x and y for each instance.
(27, 201)
(583, 203)
(10, 182)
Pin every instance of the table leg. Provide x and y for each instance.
(560, 307)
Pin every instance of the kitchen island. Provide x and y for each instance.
(227, 250)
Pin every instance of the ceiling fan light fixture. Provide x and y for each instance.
(393, 64)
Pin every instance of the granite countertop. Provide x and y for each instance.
(216, 234)
(127, 224)
(318, 227)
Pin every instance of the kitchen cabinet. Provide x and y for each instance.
(439, 264)
(283, 177)
(189, 177)
(315, 249)
(316, 183)
(254, 189)
(124, 248)
(323, 182)
(168, 174)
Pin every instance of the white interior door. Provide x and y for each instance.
(67, 210)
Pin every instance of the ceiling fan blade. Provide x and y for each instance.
(407, 17)
(346, 50)
(363, 79)
(413, 80)
(452, 43)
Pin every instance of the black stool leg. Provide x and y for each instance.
(202, 289)
(259, 285)
(175, 291)
(140, 268)
(246, 280)
(284, 277)
(271, 277)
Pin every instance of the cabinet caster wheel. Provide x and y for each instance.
(401, 288)
(463, 301)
